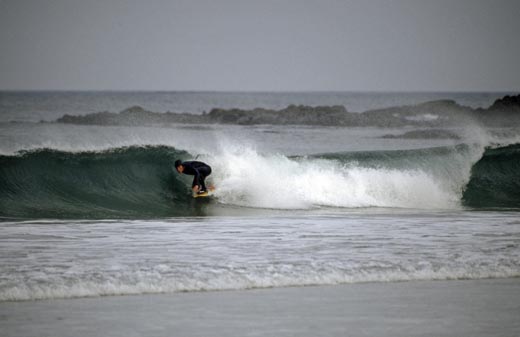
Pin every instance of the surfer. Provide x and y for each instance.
(197, 169)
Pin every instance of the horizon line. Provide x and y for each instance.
(258, 91)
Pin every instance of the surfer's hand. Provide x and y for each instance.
(195, 188)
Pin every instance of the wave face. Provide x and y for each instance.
(119, 183)
(140, 182)
(495, 179)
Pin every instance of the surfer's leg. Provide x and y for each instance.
(199, 182)
(205, 171)
(202, 183)
(195, 182)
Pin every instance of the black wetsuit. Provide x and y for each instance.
(198, 169)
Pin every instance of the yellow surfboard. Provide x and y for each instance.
(208, 193)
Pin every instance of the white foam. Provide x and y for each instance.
(217, 280)
(246, 178)
(423, 118)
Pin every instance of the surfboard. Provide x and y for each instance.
(201, 195)
(208, 193)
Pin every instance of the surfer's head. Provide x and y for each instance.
(178, 166)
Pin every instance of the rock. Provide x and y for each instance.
(506, 103)
(438, 113)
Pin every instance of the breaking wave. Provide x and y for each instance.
(117, 183)
(140, 182)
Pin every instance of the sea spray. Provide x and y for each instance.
(424, 178)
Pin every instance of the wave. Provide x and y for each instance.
(433, 178)
(118, 183)
(349, 180)
(495, 179)
(140, 182)
(163, 278)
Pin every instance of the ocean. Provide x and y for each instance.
(90, 210)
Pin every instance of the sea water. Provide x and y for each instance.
(100, 210)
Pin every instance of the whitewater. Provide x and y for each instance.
(100, 210)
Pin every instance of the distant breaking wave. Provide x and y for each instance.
(140, 182)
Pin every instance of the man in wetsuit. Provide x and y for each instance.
(197, 169)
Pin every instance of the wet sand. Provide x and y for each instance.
(430, 308)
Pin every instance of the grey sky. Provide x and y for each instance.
(465, 45)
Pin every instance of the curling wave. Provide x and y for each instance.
(119, 183)
(495, 179)
(140, 182)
